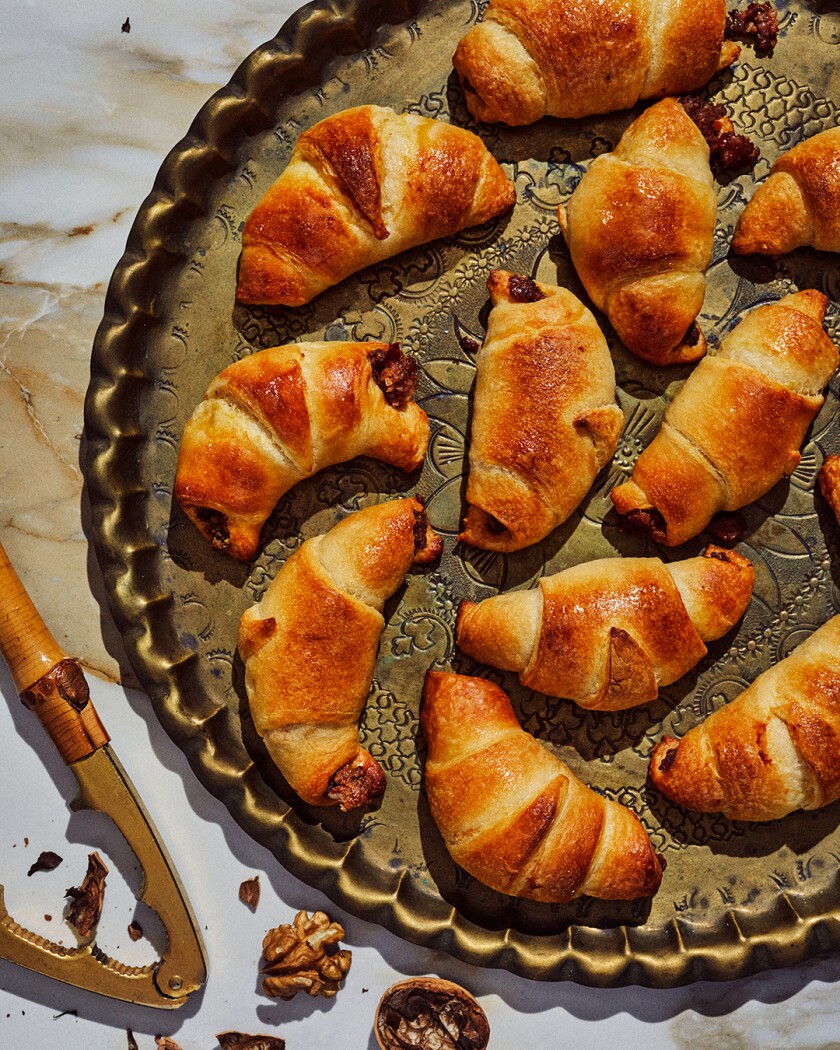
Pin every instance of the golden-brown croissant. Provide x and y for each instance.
(609, 633)
(571, 58)
(735, 427)
(798, 204)
(281, 415)
(360, 187)
(513, 814)
(772, 750)
(310, 643)
(544, 417)
(829, 482)
(640, 228)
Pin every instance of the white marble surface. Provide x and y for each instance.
(87, 114)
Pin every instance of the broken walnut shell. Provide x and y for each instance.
(429, 1013)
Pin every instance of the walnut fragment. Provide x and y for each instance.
(249, 892)
(240, 1041)
(430, 1014)
(296, 957)
(86, 906)
(47, 861)
(163, 1042)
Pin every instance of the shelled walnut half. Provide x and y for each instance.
(428, 1013)
(297, 960)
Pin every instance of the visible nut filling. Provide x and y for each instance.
(667, 759)
(297, 960)
(395, 373)
(650, 521)
(727, 527)
(215, 526)
(432, 1018)
(356, 784)
(729, 150)
(522, 289)
(757, 20)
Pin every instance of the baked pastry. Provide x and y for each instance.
(309, 647)
(640, 227)
(513, 814)
(283, 414)
(772, 750)
(735, 427)
(544, 418)
(534, 58)
(609, 633)
(360, 187)
(829, 482)
(799, 203)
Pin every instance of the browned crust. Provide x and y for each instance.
(320, 222)
(511, 813)
(737, 762)
(350, 147)
(591, 57)
(829, 482)
(228, 483)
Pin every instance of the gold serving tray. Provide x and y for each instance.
(735, 897)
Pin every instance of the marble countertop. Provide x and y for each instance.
(94, 97)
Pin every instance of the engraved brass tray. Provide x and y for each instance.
(736, 897)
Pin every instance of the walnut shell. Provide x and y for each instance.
(427, 1013)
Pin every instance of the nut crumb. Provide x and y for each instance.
(297, 960)
(47, 861)
(249, 892)
(135, 930)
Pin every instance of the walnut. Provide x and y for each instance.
(241, 1041)
(297, 960)
(430, 1014)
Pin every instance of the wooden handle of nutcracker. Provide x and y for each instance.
(49, 683)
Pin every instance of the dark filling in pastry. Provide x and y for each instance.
(421, 530)
(215, 526)
(692, 336)
(667, 759)
(649, 521)
(727, 527)
(356, 784)
(729, 151)
(522, 289)
(395, 374)
(758, 21)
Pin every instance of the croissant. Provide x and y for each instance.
(772, 750)
(360, 187)
(544, 418)
(572, 58)
(735, 427)
(281, 415)
(640, 227)
(798, 204)
(829, 482)
(607, 634)
(309, 647)
(513, 815)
